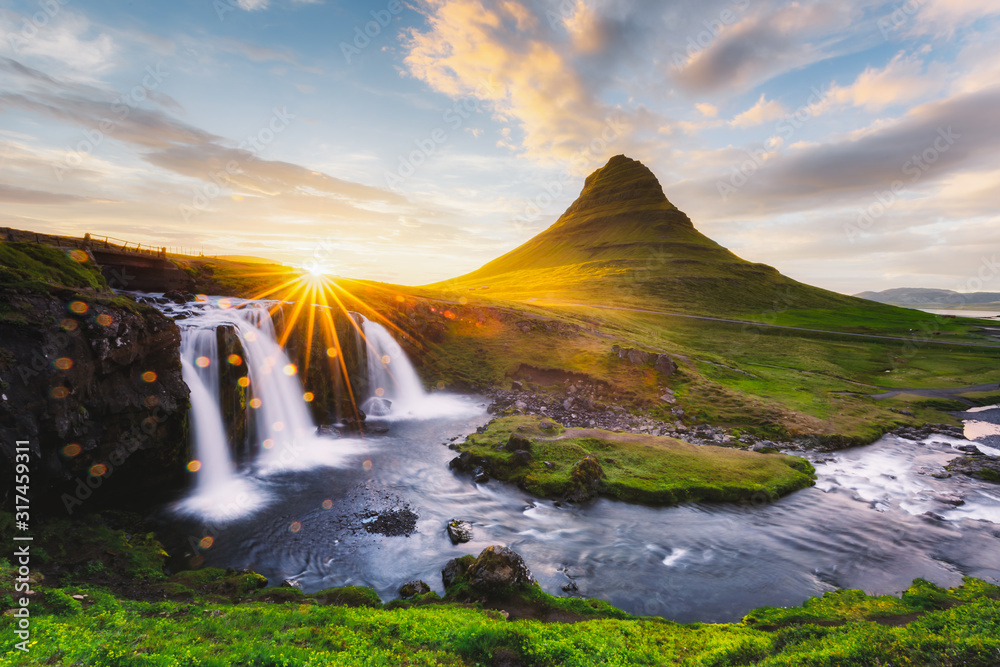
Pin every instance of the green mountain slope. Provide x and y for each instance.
(622, 242)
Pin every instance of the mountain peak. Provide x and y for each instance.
(622, 178)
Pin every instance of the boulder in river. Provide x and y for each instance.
(459, 531)
(413, 588)
(985, 468)
(498, 568)
(378, 407)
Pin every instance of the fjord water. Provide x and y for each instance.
(862, 526)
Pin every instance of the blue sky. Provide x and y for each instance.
(850, 144)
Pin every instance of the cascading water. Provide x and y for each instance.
(199, 367)
(395, 389)
(284, 434)
(394, 384)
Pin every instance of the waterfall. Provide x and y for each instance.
(393, 383)
(200, 370)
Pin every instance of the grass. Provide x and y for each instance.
(29, 267)
(638, 468)
(926, 626)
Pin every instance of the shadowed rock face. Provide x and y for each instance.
(97, 394)
(498, 568)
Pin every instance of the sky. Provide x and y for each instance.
(850, 143)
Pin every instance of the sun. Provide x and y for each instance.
(317, 270)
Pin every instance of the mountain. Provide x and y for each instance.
(622, 242)
(919, 297)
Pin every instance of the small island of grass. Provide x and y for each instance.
(549, 460)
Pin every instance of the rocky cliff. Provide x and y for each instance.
(91, 381)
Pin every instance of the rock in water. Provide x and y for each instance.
(413, 588)
(987, 469)
(378, 407)
(587, 474)
(498, 568)
(459, 531)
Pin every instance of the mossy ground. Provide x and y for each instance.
(637, 468)
(216, 618)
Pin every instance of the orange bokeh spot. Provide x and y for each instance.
(78, 307)
(63, 363)
(295, 527)
(194, 466)
(206, 542)
(255, 403)
(98, 470)
(268, 444)
(290, 369)
(70, 324)
(308, 397)
(244, 381)
(367, 465)
(59, 392)
(386, 359)
(327, 504)
(225, 304)
(331, 351)
(202, 362)
(71, 450)
(235, 359)
(79, 255)
(149, 376)
(380, 392)
(103, 319)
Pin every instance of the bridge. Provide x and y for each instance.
(124, 264)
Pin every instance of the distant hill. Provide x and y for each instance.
(919, 297)
(623, 243)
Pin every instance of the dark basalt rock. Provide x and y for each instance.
(99, 397)
(459, 531)
(498, 568)
(984, 468)
(413, 588)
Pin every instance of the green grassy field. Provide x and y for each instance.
(110, 603)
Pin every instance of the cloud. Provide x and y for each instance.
(899, 82)
(761, 112)
(15, 195)
(174, 145)
(495, 52)
(707, 110)
(80, 48)
(753, 49)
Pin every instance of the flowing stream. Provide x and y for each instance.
(325, 512)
